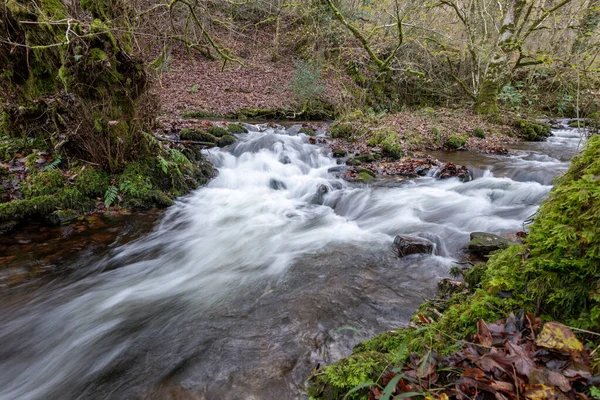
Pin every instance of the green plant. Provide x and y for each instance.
(565, 105)
(194, 89)
(54, 164)
(479, 132)
(111, 195)
(342, 130)
(511, 97)
(305, 84)
(217, 131)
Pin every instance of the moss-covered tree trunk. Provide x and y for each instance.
(497, 68)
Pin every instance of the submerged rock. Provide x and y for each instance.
(407, 245)
(276, 184)
(285, 159)
(484, 243)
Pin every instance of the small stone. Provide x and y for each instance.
(407, 245)
(276, 184)
(484, 243)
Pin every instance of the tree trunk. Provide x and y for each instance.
(497, 68)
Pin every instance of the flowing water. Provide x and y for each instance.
(243, 287)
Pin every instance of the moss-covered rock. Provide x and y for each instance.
(455, 142)
(218, 131)
(343, 130)
(21, 209)
(227, 140)
(236, 129)
(532, 131)
(353, 162)
(61, 217)
(308, 131)
(366, 157)
(197, 135)
(339, 153)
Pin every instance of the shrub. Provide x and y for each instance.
(479, 132)
(305, 84)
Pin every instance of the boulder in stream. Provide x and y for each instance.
(484, 243)
(407, 245)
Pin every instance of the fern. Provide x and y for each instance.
(54, 164)
(163, 164)
(110, 196)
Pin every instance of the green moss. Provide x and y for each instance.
(197, 135)
(391, 147)
(197, 114)
(217, 131)
(60, 217)
(576, 124)
(20, 209)
(338, 153)
(308, 131)
(479, 133)
(42, 184)
(354, 370)
(342, 130)
(91, 182)
(236, 128)
(227, 140)
(532, 131)
(455, 142)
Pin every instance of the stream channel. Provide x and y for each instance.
(240, 289)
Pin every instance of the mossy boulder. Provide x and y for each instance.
(20, 209)
(218, 131)
(455, 142)
(483, 243)
(353, 162)
(532, 131)
(236, 129)
(197, 135)
(339, 153)
(227, 140)
(61, 217)
(366, 157)
(342, 130)
(308, 131)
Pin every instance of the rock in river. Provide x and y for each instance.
(484, 243)
(407, 245)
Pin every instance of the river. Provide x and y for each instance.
(240, 289)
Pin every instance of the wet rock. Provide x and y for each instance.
(61, 217)
(7, 226)
(407, 245)
(285, 159)
(227, 140)
(366, 157)
(450, 170)
(338, 153)
(318, 198)
(276, 184)
(366, 175)
(483, 243)
(337, 170)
